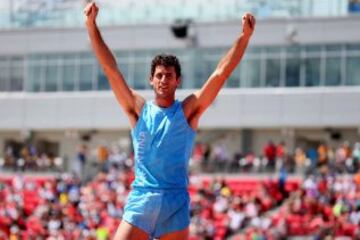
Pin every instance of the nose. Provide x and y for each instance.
(163, 79)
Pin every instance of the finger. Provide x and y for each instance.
(88, 8)
(247, 21)
(93, 9)
(87, 12)
(252, 20)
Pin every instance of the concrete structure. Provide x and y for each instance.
(245, 115)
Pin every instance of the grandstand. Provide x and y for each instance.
(298, 83)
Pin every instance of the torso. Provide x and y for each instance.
(162, 140)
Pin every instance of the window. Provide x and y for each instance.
(187, 80)
(353, 71)
(333, 71)
(17, 75)
(141, 74)
(201, 71)
(68, 76)
(292, 78)
(35, 77)
(312, 72)
(51, 77)
(272, 75)
(86, 77)
(12, 74)
(252, 67)
(4, 76)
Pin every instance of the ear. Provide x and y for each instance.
(151, 82)
(178, 81)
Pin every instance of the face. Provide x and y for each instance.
(164, 81)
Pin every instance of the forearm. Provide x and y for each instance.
(232, 58)
(226, 66)
(101, 50)
(201, 99)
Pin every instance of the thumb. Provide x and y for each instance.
(88, 9)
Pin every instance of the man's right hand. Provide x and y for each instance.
(90, 12)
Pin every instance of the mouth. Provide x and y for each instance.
(163, 88)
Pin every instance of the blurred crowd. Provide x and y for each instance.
(27, 158)
(206, 158)
(64, 207)
(80, 205)
(326, 206)
(216, 158)
(221, 209)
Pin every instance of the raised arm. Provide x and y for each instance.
(130, 101)
(195, 104)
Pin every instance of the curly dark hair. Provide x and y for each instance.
(166, 60)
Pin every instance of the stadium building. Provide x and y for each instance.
(299, 81)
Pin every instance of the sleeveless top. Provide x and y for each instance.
(162, 141)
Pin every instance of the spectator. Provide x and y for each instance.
(281, 153)
(81, 159)
(312, 155)
(323, 155)
(103, 157)
(270, 154)
(300, 160)
(356, 155)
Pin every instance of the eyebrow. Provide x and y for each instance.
(165, 72)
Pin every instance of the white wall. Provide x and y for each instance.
(268, 32)
(234, 108)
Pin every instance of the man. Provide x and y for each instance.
(163, 132)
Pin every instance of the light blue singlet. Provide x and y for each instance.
(162, 141)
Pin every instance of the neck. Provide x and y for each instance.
(164, 102)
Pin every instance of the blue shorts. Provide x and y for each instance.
(158, 212)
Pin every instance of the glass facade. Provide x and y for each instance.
(300, 66)
(352, 71)
(68, 13)
(11, 74)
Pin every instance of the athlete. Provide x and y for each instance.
(163, 132)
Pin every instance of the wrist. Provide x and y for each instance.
(90, 23)
(246, 35)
